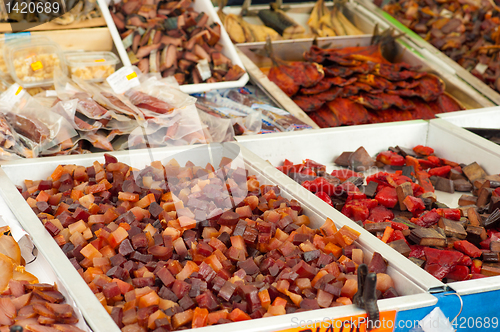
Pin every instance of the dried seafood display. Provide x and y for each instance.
(80, 117)
(358, 85)
(279, 24)
(172, 39)
(279, 21)
(25, 302)
(170, 249)
(466, 31)
(59, 12)
(403, 210)
(327, 23)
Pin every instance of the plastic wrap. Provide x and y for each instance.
(182, 128)
(68, 109)
(171, 115)
(251, 98)
(37, 126)
(9, 140)
(96, 112)
(105, 96)
(166, 90)
(243, 124)
(219, 129)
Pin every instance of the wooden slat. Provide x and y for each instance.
(92, 39)
(92, 23)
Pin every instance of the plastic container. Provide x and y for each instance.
(91, 66)
(7, 38)
(32, 61)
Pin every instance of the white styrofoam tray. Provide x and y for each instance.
(228, 47)
(324, 145)
(479, 118)
(414, 296)
(36, 263)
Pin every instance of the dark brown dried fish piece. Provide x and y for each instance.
(30, 128)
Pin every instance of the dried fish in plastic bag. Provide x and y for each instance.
(7, 139)
(37, 126)
(68, 109)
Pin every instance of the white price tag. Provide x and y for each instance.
(481, 68)
(123, 80)
(12, 95)
(51, 93)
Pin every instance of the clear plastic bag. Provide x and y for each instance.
(243, 123)
(37, 126)
(184, 128)
(105, 96)
(250, 96)
(159, 95)
(219, 129)
(68, 108)
(171, 115)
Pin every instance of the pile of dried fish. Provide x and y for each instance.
(89, 117)
(357, 85)
(466, 31)
(57, 11)
(323, 22)
(327, 23)
(279, 21)
(240, 31)
(170, 38)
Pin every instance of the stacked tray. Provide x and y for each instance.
(405, 275)
(481, 118)
(323, 146)
(447, 64)
(228, 48)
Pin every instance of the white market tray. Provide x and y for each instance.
(479, 118)
(413, 295)
(324, 145)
